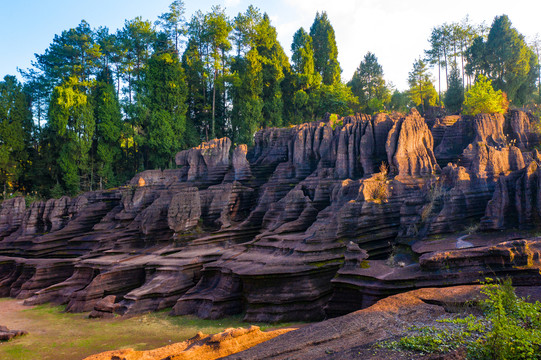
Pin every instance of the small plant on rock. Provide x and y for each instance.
(380, 193)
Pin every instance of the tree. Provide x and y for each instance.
(506, 59)
(173, 22)
(483, 99)
(536, 47)
(162, 110)
(454, 97)
(108, 119)
(73, 53)
(218, 35)
(400, 101)
(422, 91)
(274, 64)
(325, 49)
(336, 99)
(72, 123)
(368, 85)
(15, 132)
(302, 82)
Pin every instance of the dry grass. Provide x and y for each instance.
(380, 193)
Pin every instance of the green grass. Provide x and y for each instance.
(54, 334)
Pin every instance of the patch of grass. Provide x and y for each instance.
(56, 335)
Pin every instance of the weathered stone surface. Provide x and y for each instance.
(184, 210)
(410, 147)
(489, 129)
(210, 160)
(300, 227)
(522, 132)
(11, 215)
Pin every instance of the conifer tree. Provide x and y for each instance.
(454, 97)
(421, 91)
(72, 122)
(325, 49)
(108, 120)
(368, 85)
(15, 133)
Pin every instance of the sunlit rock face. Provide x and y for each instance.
(312, 221)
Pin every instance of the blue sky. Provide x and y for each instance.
(395, 30)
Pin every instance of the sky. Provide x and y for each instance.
(396, 31)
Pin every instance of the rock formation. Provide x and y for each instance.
(313, 221)
(6, 334)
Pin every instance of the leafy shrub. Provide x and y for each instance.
(483, 99)
(509, 329)
(334, 121)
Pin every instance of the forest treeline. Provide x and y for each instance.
(96, 107)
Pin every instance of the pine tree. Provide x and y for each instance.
(325, 50)
(72, 122)
(454, 97)
(108, 120)
(421, 91)
(162, 109)
(368, 85)
(15, 133)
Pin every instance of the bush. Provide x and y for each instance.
(483, 99)
(509, 329)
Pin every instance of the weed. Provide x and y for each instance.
(380, 193)
(435, 193)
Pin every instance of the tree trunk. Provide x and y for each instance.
(212, 133)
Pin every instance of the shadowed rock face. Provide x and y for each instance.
(301, 226)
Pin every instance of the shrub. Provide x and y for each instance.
(510, 329)
(380, 193)
(483, 99)
(334, 121)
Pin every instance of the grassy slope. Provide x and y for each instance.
(56, 335)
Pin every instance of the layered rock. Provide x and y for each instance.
(306, 224)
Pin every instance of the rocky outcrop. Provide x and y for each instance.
(410, 147)
(6, 334)
(313, 221)
(210, 160)
(201, 346)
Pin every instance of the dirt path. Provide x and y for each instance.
(11, 316)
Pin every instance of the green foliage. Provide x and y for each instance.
(510, 329)
(335, 121)
(163, 109)
(421, 91)
(336, 98)
(400, 101)
(325, 50)
(482, 98)
(369, 86)
(454, 97)
(108, 119)
(15, 133)
(506, 59)
(72, 122)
